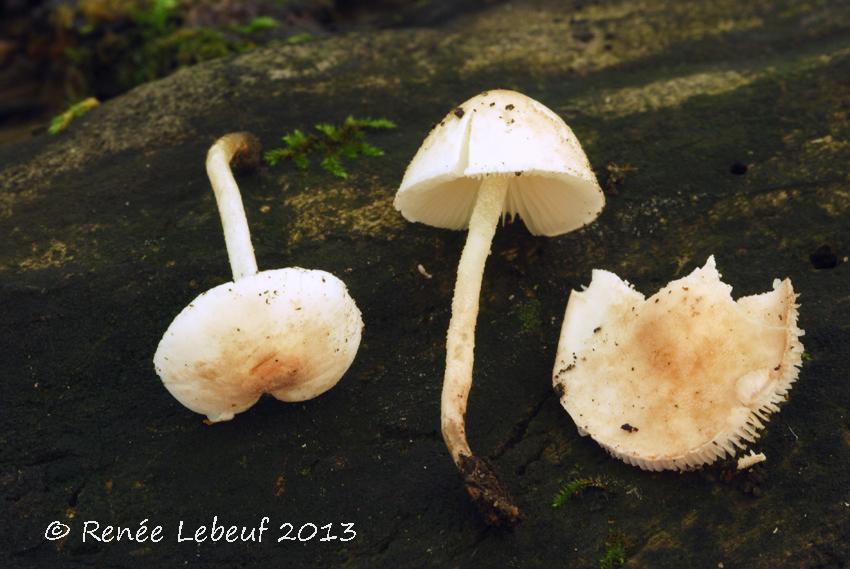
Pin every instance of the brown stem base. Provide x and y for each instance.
(487, 492)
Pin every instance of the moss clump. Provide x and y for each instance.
(297, 39)
(182, 47)
(331, 143)
(109, 46)
(257, 25)
(530, 314)
(615, 554)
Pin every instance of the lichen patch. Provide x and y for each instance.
(55, 254)
(662, 93)
(343, 211)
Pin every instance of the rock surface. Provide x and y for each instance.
(718, 127)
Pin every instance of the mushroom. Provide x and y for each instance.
(500, 153)
(682, 378)
(289, 332)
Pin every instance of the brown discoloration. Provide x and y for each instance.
(268, 372)
(559, 390)
(245, 148)
(488, 493)
(205, 371)
(672, 351)
(273, 372)
(678, 358)
(279, 486)
(267, 366)
(454, 434)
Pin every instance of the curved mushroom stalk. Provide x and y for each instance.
(243, 150)
(291, 333)
(480, 478)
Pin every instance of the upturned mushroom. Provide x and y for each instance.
(498, 154)
(682, 378)
(290, 332)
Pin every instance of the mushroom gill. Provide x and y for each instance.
(681, 379)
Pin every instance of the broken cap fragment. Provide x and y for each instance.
(290, 332)
(749, 460)
(682, 378)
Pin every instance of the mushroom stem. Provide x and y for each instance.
(242, 149)
(481, 481)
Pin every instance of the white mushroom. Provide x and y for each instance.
(499, 153)
(290, 332)
(682, 378)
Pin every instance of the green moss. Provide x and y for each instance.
(110, 46)
(529, 313)
(574, 488)
(185, 46)
(257, 25)
(331, 144)
(297, 39)
(615, 554)
(156, 17)
(60, 122)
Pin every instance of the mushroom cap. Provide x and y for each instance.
(552, 187)
(682, 378)
(289, 332)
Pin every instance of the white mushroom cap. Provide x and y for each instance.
(289, 332)
(552, 187)
(682, 378)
